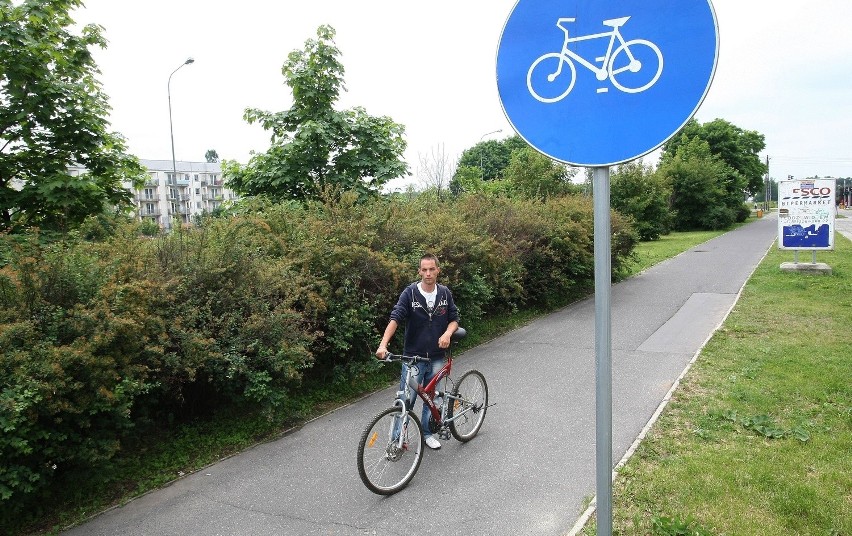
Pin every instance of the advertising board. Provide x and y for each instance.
(806, 214)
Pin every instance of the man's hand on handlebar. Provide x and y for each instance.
(382, 353)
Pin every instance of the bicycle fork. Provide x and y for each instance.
(399, 428)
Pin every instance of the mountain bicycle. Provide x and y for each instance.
(392, 445)
(622, 59)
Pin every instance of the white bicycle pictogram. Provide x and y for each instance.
(616, 62)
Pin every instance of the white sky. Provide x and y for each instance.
(784, 70)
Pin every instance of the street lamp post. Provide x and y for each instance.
(482, 152)
(171, 129)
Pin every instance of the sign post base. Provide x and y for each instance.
(806, 267)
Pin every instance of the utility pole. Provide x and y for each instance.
(768, 193)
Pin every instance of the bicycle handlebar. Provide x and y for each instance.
(389, 358)
(459, 334)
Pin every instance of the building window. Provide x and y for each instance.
(149, 208)
(149, 193)
(198, 191)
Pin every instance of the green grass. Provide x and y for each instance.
(757, 438)
(648, 254)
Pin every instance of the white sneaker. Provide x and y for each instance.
(432, 443)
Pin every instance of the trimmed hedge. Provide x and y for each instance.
(102, 340)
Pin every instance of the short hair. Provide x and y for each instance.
(430, 257)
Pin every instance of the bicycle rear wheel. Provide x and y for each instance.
(635, 66)
(547, 81)
(386, 467)
(467, 411)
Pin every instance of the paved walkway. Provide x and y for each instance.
(843, 222)
(529, 470)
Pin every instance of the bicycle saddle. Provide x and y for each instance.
(459, 334)
(615, 23)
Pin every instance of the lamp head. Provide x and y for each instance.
(188, 61)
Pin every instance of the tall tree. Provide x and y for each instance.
(53, 114)
(638, 192)
(313, 146)
(491, 156)
(534, 176)
(211, 156)
(738, 148)
(700, 195)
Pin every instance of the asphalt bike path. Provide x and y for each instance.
(843, 222)
(531, 467)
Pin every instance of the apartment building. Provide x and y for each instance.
(167, 196)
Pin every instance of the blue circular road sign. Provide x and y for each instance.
(600, 82)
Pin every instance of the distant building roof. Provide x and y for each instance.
(183, 166)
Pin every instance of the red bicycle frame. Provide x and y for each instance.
(427, 394)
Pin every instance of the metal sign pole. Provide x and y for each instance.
(603, 351)
(673, 48)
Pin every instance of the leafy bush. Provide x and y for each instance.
(743, 213)
(238, 314)
(66, 386)
(543, 251)
(102, 340)
(706, 192)
(96, 339)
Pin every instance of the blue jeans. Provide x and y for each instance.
(426, 370)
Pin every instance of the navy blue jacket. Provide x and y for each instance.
(423, 327)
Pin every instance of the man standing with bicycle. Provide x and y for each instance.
(431, 317)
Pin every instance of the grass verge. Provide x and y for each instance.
(757, 438)
(647, 254)
(189, 447)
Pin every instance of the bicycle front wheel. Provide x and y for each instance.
(385, 464)
(468, 403)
